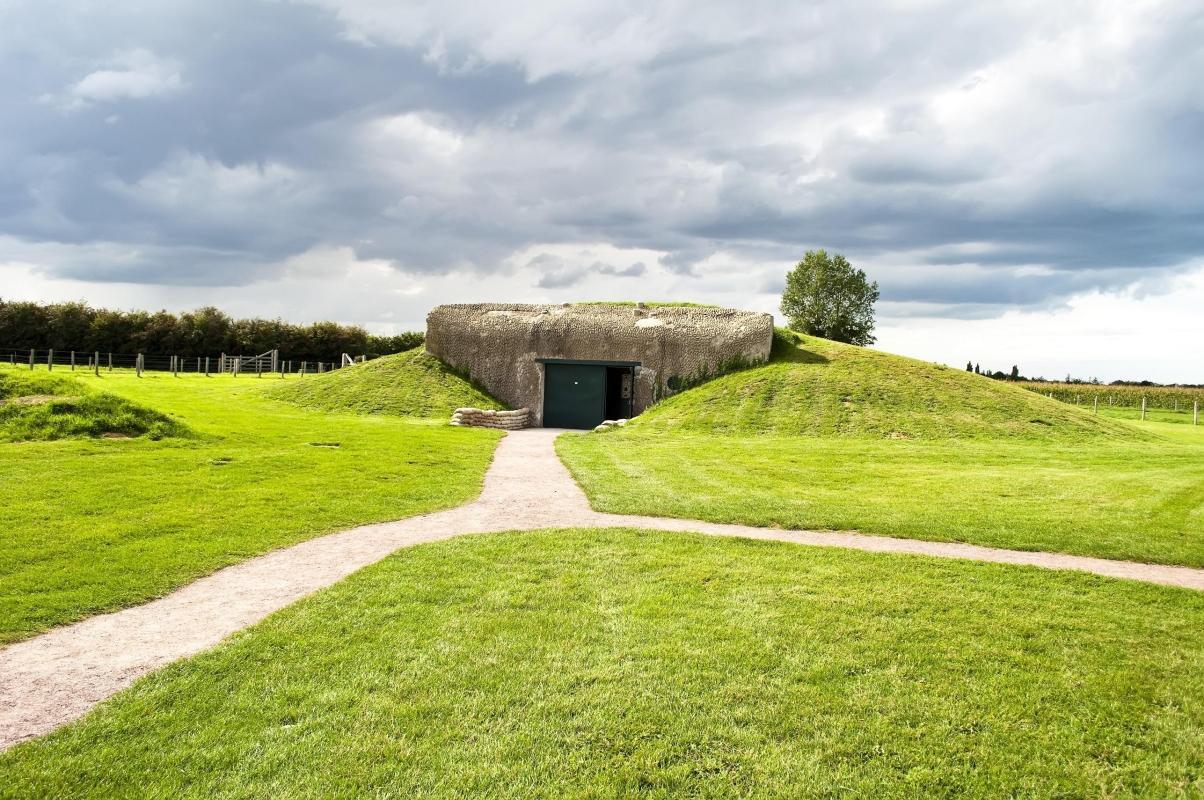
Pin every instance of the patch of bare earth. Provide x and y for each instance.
(32, 400)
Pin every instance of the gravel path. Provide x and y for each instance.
(58, 676)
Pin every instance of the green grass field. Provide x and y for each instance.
(95, 524)
(1136, 501)
(620, 663)
(836, 437)
(410, 384)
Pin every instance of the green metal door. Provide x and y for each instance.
(574, 395)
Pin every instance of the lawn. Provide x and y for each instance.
(1114, 498)
(97, 524)
(616, 663)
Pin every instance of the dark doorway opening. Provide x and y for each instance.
(620, 385)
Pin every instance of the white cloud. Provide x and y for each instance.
(1109, 335)
(132, 74)
(193, 182)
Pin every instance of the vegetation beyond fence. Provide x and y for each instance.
(95, 361)
(206, 331)
(1180, 401)
(1170, 398)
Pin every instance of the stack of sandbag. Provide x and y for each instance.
(503, 420)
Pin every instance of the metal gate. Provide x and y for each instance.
(574, 395)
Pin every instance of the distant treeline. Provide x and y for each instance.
(205, 332)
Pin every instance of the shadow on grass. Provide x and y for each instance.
(788, 347)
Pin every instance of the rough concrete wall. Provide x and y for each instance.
(498, 344)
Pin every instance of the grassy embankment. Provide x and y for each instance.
(618, 663)
(411, 384)
(93, 524)
(832, 436)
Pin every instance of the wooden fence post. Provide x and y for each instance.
(110, 362)
(31, 355)
(206, 366)
(1195, 413)
(1097, 404)
(73, 361)
(50, 360)
(138, 364)
(1143, 408)
(96, 362)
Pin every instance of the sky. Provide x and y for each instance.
(1025, 180)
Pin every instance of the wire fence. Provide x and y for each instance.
(269, 363)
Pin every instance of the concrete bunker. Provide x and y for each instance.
(575, 365)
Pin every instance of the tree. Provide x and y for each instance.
(826, 296)
(1015, 373)
(969, 366)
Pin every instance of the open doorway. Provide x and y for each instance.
(620, 385)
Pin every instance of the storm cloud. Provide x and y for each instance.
(973, 158)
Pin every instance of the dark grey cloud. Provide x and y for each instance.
(985, 167)
(557, 273)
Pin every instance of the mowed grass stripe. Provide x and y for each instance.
(607, 663)
(1119, 500)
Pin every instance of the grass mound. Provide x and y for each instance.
(816, 387)
(409, 384)
(619, 664)
(44, 407)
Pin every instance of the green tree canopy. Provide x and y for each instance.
(827, 296)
